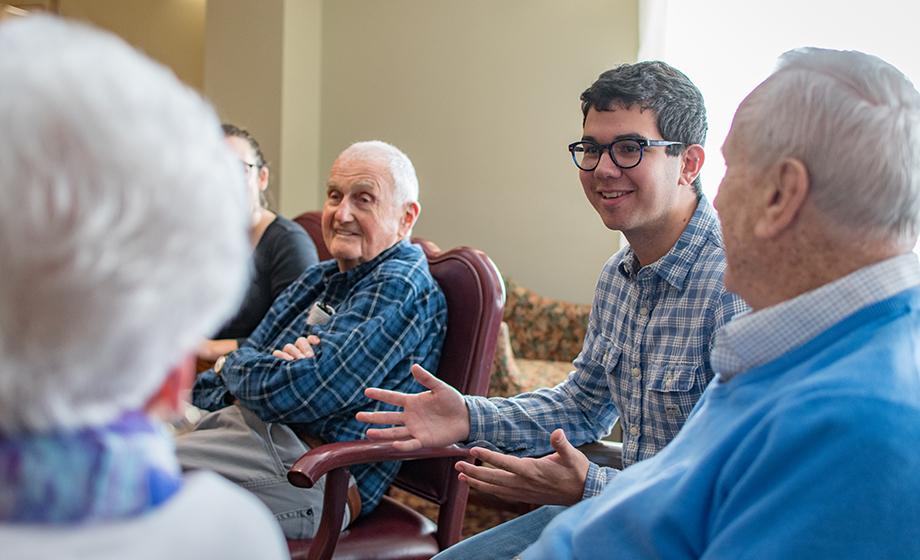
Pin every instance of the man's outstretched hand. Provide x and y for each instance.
(434, 418)
(558, 478)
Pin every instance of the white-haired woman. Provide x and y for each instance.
(106, 292)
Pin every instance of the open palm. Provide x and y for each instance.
(433, 418)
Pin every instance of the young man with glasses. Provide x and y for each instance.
(657, 305)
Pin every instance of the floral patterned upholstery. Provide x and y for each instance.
(537, 342)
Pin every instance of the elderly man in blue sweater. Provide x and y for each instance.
(805, 444)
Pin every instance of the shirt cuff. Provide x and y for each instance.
(209, 391)
(478, 408)
(597, 480)
(230, 369)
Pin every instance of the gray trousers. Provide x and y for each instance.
(256, 455)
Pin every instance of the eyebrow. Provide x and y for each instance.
(363, 185)
(628, 135)
(370, 185)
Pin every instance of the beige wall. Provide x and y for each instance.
(243, 71)
(301, 177)
(262, 72)
(170, 31)
(483, 96)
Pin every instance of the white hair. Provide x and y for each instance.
(402, 172)
(854, 121)
(122, 225)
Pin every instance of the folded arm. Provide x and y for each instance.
(360, 346)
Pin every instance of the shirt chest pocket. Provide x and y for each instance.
(608, 358)
(672, 392)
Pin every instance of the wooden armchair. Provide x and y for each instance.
(475, 297)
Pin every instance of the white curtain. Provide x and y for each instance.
(653, 26)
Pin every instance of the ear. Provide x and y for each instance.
(691, 163)
(786, 190)
(409, 216)
(263, 178)
(168, 400)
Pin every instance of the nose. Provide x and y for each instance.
(343, 211)
(606, 169)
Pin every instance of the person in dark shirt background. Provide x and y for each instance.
(282, 250)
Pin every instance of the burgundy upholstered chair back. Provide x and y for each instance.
(312, 222)
(475, 301)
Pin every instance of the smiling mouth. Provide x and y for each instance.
(613, 195)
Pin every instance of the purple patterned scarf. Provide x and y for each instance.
(92, 474)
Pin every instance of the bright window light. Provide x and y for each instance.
(728, 47)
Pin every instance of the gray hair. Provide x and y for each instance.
(854, 121)
(402, 172)
(122, 225)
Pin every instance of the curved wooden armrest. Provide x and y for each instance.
(320, 460)
(333, 460)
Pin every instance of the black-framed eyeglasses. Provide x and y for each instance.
(625, 153)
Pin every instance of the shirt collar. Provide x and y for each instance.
(674, 266)
(756, 338)
(358, 272)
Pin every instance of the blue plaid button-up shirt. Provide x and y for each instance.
(645, 357)
(389, 314)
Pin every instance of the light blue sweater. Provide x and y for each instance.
(813, 455)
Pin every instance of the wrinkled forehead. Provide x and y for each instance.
(350, 170)
(745, 113)
(744, 120)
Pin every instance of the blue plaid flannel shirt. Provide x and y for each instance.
(389, 314)
(645, 357)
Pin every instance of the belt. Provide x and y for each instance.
(353, 499)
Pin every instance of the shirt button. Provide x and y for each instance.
(636, 372)
(634, 430)
(643, 311)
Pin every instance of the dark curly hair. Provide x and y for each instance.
(677, 103)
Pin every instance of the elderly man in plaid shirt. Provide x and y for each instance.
(658, 303)
(361, 319)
